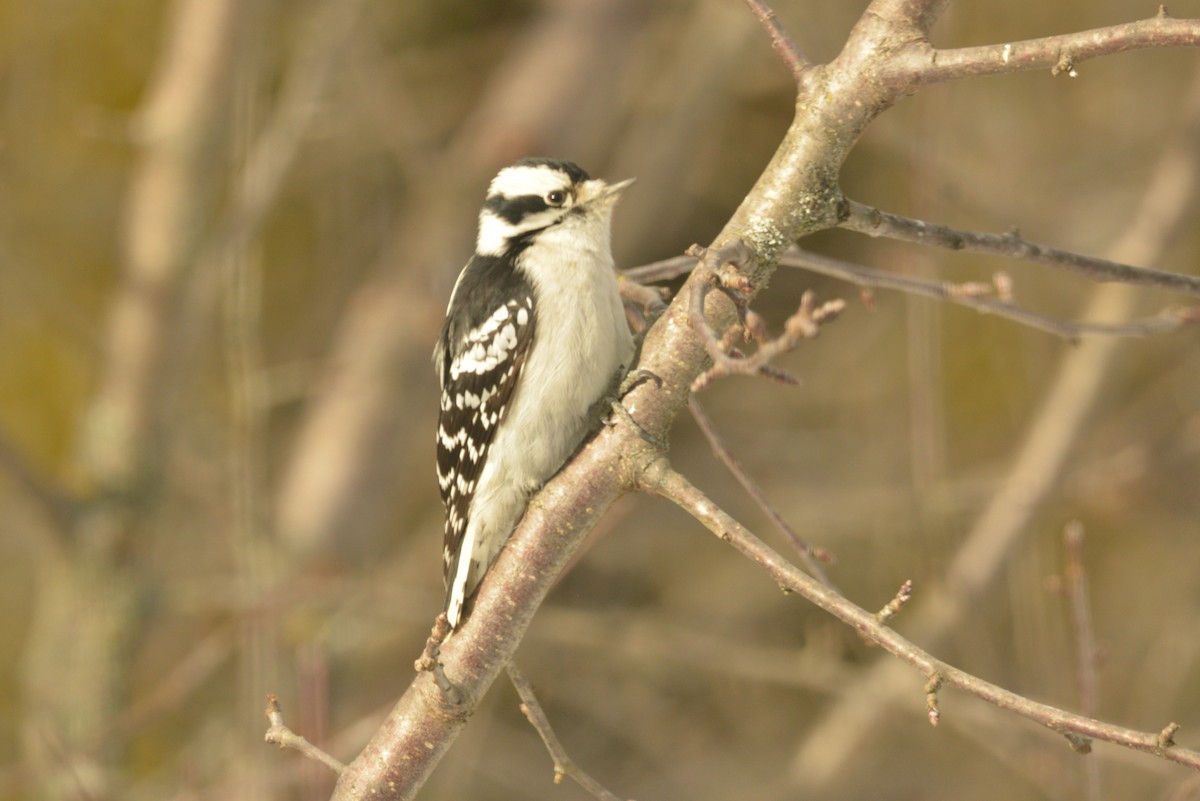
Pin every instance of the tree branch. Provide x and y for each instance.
(563, 764)
(671, 485)
(923, 64)
(280, 735)
(781, 40)
(810, 555)
(873, 222)
(973, 295)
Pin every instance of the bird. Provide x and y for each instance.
(535, 337)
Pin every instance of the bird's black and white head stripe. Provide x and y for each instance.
(542, 249)
(527, 197)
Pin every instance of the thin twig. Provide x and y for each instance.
(662, 270)
(970, 295)
(720, 270)
(781, 40)
(280, 735)
(975, 295)
(810, 555)
(873, 222)
(563, 764)
(673, 486)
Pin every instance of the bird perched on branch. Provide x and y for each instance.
(535, 335)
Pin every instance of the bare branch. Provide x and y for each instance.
(811, 555)
(280, 735)
(1060, 54)
(781, 40)
(971, 295)
(563, 764)
(671, 485)
(662, 270)
(873, 222)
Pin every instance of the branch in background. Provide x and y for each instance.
(669, 484)
(280, 735)
(57, 507)
(1061, 54)
(811, 555)
(1076, 587)
(563, 764)
(873, 222)
(974, 295)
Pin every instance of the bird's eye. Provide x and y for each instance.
(556, 197)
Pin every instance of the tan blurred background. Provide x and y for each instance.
(227, 233)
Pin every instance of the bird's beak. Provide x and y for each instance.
(598, 191)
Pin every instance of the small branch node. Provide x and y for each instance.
(280, 735)
(1066, 64)
(1166, 737)
(1162, 11)
(931, 699)
(897, 603)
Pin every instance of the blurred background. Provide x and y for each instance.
(228, 231)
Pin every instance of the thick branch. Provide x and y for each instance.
(425, 721)
(671, 485)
